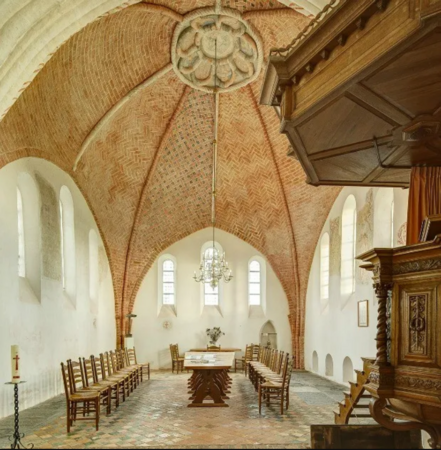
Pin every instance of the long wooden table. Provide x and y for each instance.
(210, 380)
(222, 350)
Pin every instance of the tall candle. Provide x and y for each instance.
(15, 364)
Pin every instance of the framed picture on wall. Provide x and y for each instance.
(363, 313)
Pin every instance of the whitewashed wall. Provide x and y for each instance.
(188, 327)
(334, 330)
(46, 324)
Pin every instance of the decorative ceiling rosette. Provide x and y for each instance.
(239, 50)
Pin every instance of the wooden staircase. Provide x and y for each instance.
(353, 397)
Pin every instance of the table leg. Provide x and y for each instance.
(208, 386)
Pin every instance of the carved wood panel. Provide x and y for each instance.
(418, 324)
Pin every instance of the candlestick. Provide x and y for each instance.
(15, 366)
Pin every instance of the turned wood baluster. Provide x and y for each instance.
(381, 291)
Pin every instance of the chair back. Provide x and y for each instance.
(99, 373)
(66, 380)
(280, 362)
(113, 366)
(88, 372)
(173, 351)
(76, 376)
(131, 356)
(286, 370)
(120, 359)
(248, 353)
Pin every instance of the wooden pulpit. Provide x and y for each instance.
(405, 381)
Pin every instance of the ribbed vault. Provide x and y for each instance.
(108, 109)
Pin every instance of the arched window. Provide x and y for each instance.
(211, 294)
(392, 212)
(324, 267)
(21, 237)
(349, 221)
(254, 283)
(168, 282)
(384, 218)
(93, 266)
(67, 225)
(167, 291)
(29, 233)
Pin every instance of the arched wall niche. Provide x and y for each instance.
(348, 370)
(329, 366)
(315, 362)
(50, 323)
(268, 335)
(189, 325)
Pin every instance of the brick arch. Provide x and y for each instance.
(146, 173)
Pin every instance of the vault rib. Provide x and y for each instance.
(285, 201)
(136, 220)
(107, 117)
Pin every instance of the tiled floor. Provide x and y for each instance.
(156, 415)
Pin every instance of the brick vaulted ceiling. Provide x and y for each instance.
(110, 111)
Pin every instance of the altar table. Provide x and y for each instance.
(224, 350)
(210, 379)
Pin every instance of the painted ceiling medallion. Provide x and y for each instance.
(239, 50)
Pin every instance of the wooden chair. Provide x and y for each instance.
(112, 371)
(177, 361)
(242, 362)
(276, 388)
(79, 400)
(89, 384)
(131, 358)
(99, 378)
(122, 379)
(117, 360)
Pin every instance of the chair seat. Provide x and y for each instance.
(271, 384)
(88, 395)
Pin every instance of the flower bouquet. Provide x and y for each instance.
(214, 334)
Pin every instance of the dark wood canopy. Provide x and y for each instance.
(359, 92)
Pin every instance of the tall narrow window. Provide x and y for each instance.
(349, 221)
(392, 206)
(211, 294)
(21, 236)
(68, 259)
(93, 266)
(168, 282)
(254, 283)
(324, 267)
(62, 233)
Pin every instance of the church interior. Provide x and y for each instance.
(220, 224)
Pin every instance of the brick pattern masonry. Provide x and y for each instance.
(146, 171)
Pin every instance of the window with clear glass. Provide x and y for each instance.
(93, 265)
(21, 237)
(168, 282)
(392, 224)
(324, 267)
(211, 294)
(63, 253)
(348, 236)
(254, 283)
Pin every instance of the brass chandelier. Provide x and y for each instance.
(214, 266)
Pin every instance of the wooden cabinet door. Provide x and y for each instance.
(419, 324)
